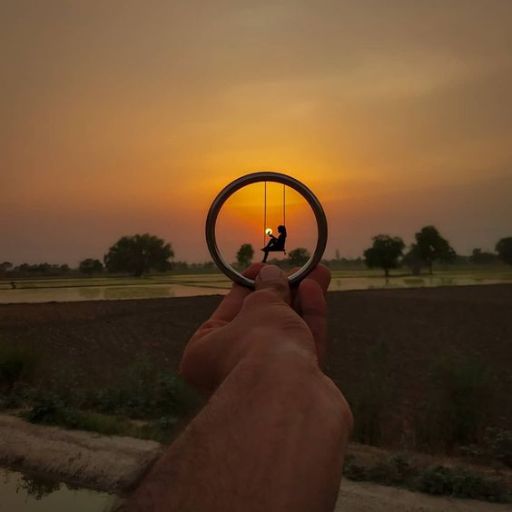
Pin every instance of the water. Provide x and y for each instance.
(216, 284)
(21, 493)
(373, 282)
(74, 294)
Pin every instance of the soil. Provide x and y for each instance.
(400, 334)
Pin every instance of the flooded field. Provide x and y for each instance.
(20, 493)
(73, 290)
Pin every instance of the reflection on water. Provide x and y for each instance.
(21, 493)
(73, 294)
(215, 284)
(372, 282)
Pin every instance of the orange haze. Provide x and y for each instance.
(124, 116)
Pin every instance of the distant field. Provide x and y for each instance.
(63, 289)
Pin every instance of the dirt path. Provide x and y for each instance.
(367, 497)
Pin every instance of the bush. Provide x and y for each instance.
(496, 446)
(369, 401)
(147, 394)
(461, 483)
(460, 394)
(53, 411)
(499, 444)
(398, 470)
(15, 364)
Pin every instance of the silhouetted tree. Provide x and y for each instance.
(479, 257)
(412, 259)
(90, 266)
(504, 249)
(5, 266)
(431, 246)
(42, 268)
(138, 254)
(298, 257)
(385, 252)
(244, 255)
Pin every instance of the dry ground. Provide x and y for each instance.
(398, 333)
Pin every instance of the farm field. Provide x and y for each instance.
(406, 359)
(186, 285)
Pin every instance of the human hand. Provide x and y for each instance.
(252, 323)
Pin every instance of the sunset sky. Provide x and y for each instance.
(118, 117)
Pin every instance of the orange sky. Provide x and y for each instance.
(120, 117)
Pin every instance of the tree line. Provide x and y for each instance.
(143, 253)
(388, 252)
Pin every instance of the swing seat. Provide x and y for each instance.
(277, 249)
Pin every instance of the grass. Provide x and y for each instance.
(460, 395)
(401, 470)
(368, 404)
(160, 399)
(16, 364)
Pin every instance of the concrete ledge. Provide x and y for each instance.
(112, 464)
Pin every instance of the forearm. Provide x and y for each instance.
(271, 438)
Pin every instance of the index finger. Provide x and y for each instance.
(232, 302)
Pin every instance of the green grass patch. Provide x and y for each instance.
(16, 364)
(400, 470)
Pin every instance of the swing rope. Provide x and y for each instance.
(284, 205)
(265, 211)
(265, 214)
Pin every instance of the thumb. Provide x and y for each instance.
(273, 278)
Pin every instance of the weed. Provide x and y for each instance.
(398, 470)
(15, 364)
(53, 411)
(368, 403)
(495, 446)
(461, 483)
(460, 395)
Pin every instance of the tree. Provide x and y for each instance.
(298, 257)
(244, 255)
(90, 266)
(431, 246)
(138, 254)
(385, 252)
(504, 249)
(479, 257)
(5, 266)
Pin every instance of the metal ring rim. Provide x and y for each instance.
(255, 177)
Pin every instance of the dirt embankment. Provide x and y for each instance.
(116, 464)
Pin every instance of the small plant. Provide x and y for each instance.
(461, 483)
(16, 364)
(368, 402)
(499, 444)
(496, 446)
(460, 394)
(53, 411)
(399, 470)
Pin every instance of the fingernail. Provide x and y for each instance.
(270, 273)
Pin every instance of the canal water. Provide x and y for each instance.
(21, 493)
(219, 285)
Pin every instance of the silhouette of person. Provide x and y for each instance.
(275, 243)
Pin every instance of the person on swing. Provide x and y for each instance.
(275, 243)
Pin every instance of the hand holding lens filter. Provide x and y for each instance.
(265, 177)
